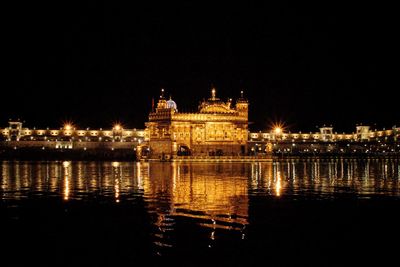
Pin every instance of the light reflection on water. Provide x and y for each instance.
(193, 187)
(216, 197)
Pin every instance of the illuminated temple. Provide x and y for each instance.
(219, 128)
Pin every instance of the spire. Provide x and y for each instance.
(213, 94)
(162, 93)
(242, 99)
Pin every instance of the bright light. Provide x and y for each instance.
(278, 127)
(213, 93)
(278, 184)
(278, 130)
(66, 164)
(115, 164)
(117, 127)
(68, 126)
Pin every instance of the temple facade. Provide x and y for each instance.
(218, 128)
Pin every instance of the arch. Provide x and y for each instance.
(184, 150)
(144, 152)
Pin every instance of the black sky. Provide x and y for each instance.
(98, 62)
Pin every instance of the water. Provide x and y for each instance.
(314, 213)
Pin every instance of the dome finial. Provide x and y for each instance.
(162, 93)
(241, 94)
(213, 93)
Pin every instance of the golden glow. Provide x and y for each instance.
(217, 127)
(278, 130)
(68, 126)
(199, 189)
(278, 184)
(66, 164)
(198, 186)
(117, 179)
(116, 189)
(115, 164)
(117, 127)
(66, 180)
(139, 180)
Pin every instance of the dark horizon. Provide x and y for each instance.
(98, 63)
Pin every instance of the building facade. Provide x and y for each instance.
(218, 128)
(69, 138)
(363, 140)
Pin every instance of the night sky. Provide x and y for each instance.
(97, 63)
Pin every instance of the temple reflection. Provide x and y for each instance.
(199, 191)
(213, 196)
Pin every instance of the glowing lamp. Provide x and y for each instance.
(117, 127)
(68, 126)
(278, 130)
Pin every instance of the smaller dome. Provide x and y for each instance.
(171, 104)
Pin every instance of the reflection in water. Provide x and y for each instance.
(278, 179)
(216, 190)
(116, 173)
(215, 197)
(66, 166)
(69, 180)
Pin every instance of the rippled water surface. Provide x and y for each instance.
(284, 213)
